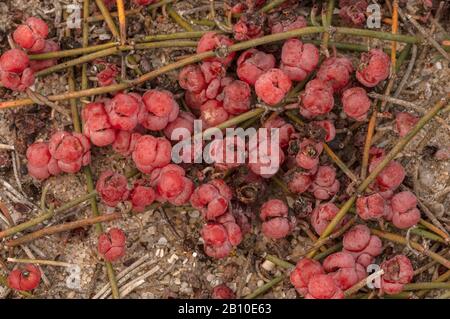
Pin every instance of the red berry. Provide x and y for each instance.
(322, 215)
(404, 211)
(24, 278)
(356, 103)
(317, 99)
(323, 287)
(252, 64)
(282, 24)
(212, 41)
(212, 70)
(70, 150)
(374, 68)
(111, 245)
(195, 100)
(15, 73)
(404, 122)
(123, 111)
(142, 195)
(308, 154)
(50, 46)
(222, 292)
(353, 11)
(264, 157)
(228, 152)
(185, 122)
(344, 270)
(151, 152)
(329, 128)
(371, 207)
(398, 271)
(159, 109)
(216, 240)
(272, 86)
(143, 2)
(285, 129)
(108, 75)
(237, 96)
(31, 35)
(336, 71)
(274, 214)
(213, 113)
(363, 246)
(298, 59)
(325, 183)
(390, 177)
(191, 78)
(112, 188)
(125, 142)
(212, 198)
(172, 185)
(299, 182)
(303, 272)
(40, 164)
(97, 126)
(249, 26)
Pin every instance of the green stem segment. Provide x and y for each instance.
(178, 19)
(108, 19)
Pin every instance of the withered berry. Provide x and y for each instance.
(112, 188)
(111, 245)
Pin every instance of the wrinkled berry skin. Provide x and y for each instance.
(356, 103)
(125, 142)
(390, 177)
(298, 59)
(108, 75)
(142, 195)
(40, 163)
(323, 287)
(212, 199)
(237, 96)
(372, 207)
(31, 35)
(404, 211)
(363, 246)
(398, 271)
(24, 278)
(272, 86)
(97, 126)
(185, 121)
(353, 12)
(308, 154)
(404, 122)
(212, 41)
(228, 152)
(171, 184)
(325, 184)
(222, 292)
(274, 214)
(285, 129)
(111, 245)
(50, 46)
(317, 99)
(123, 111)
(322, 216)
(305, 269)
(252, 63)
(112, 188)
(344, 270)
(191, 78)
(336, 71)
(249, 26)
(213, 113)
(151, 152)
(160, 108)
(15, 73)
(374, 68)
(263, 158)
(300, 182)
(70, 150)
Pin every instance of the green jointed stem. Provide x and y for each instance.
(159, 4)
(108, 19)
(272, 5)
(72, 52)
(265, 287)
(173, 36)
(178, 19)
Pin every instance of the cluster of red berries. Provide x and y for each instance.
(342, 270)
